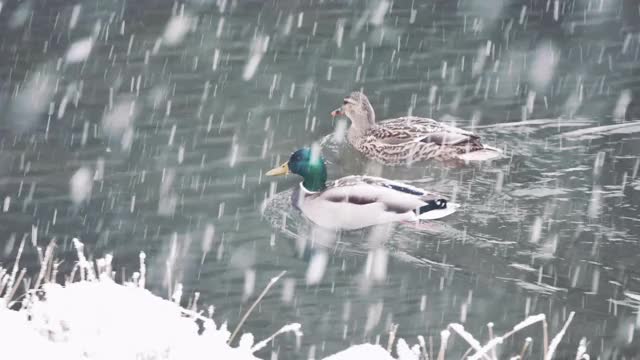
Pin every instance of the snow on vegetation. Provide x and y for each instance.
(104, 320)
(93, 317)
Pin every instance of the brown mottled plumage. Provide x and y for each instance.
(406, 139)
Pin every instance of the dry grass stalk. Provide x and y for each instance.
(54, 271)
(16, 285)
(581, 353)
(45, 264)
(431, 347)
(4, 279)
(527, 342)
(545, 338)
(246, 314)
(556, 339)
(549, 350)
(16, 265)
(143, 270)
(423, 347)
(392, 336)
(73, 274)
(466, 353)
(493, 351)
(444, 337)
(86, 267)
(497, 340)
(475, 344)
(295, 328)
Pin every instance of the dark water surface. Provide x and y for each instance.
(174, 138)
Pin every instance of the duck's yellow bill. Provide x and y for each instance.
(280, 170)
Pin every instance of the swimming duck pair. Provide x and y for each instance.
(355, 202)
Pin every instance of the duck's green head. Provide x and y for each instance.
(307, 164)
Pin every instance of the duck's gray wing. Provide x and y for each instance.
(399, 187)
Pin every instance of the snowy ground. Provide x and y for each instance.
(104, 320)
(98, 319)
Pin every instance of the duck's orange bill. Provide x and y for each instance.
(280, 170)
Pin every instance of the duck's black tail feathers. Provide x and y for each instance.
(432, 205)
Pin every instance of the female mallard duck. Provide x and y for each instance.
(408, 139)
(355, 202)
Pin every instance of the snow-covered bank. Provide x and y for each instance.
(92, 317)
(95, 318)
(104, 320)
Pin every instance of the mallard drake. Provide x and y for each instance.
(355, 202)
(407, 139)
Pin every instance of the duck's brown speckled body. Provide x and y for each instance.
(406, 139)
